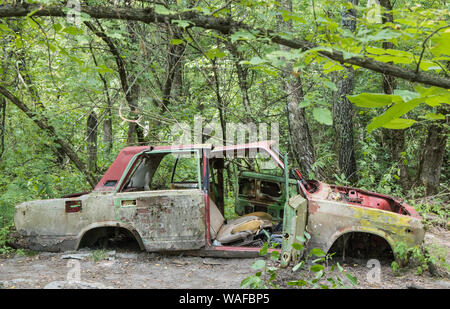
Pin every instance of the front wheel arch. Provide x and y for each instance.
(389, 242)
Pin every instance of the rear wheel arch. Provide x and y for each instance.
(98, 226)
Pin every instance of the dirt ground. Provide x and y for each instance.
(133, 269)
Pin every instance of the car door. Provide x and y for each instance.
(294, 223)
(167, 217)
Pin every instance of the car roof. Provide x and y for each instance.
(112, 176)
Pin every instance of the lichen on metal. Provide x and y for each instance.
(184, 216)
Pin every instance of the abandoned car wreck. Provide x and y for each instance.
(172, 199)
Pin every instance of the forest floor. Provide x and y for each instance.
(122, 268)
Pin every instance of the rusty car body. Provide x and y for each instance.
(183, 210)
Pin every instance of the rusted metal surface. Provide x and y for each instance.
(167, 220)
(179, 219)
(328, 218)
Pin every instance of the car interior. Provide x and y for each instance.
(180, 170)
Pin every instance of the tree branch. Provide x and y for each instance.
(227, 26)
(43, 123)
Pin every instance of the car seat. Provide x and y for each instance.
(240, 228)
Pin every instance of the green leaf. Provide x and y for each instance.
(433, 96)
(72, 30)
(330, 85)
(264, 249)
(242, 35)
(4, 28)
(393, 112)
(331, 66)
(258, 264)
(406, 95)
(32, 12)
(274, 255)
(393, 59)
(352, 279)
(176, 41)
(373, 100)
(441, 43)
(399, 123)
(181, 23)
(297, 246)
(159, 9)
(299, 282)
(288, 15)
(323, 115)
(252, 282)
(317, 252)
(256, 61)
(305, 103)
(215, 53)
(316, 268)
(298, 266)
(18, 42)
(384, 35)
(433, 116)
(104, 69)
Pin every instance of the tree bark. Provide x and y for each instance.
(343, 109)
(299, 136)
(433, 153)
(396, 139)
(225, 26)
(173, 83)
(91, 142)
(2, 126)
(107, 121)
(242, 77)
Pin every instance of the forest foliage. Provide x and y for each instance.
(137, 68)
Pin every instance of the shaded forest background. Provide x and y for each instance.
(73, 94)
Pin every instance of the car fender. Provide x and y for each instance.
(109, 224)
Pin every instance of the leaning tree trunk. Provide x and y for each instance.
(343, 110)
(299, 136)
(44, 123)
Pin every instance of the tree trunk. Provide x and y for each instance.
(434, 152)
(242, 77)
(107, 122)
(300, 140)
(2, 125)
(343, 110)
(395, 138)
(131, 91)
(173, 84)
(91, 141)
